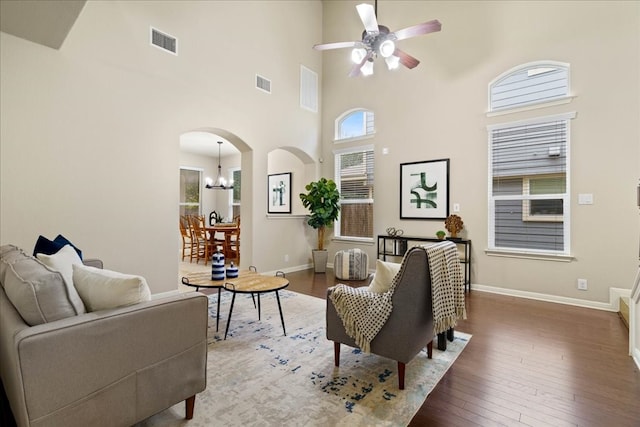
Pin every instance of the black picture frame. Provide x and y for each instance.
(424, 190)
(279, 193)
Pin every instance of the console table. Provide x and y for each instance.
(397, 246)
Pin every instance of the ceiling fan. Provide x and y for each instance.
(378, 40)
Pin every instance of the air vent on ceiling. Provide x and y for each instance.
(164, 41)
(263, 83)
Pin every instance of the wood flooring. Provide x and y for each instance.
(529, 363)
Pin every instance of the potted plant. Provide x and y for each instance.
(323, 201)
(440, 234)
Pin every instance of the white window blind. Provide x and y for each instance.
(529, 187)
(354, 177)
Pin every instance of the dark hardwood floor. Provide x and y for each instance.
(528, 363)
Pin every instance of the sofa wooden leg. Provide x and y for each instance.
(190, 403)
(401, 367)
(336, 353)
(430, 349)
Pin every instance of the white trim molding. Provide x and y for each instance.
(546, 297)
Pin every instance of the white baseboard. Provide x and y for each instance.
(636, 357)
(289, 269)
(546, 297)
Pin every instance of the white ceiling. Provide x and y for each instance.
(205, 143)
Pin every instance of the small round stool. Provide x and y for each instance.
(351, 264)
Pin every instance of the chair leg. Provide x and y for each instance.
(401, 369)
(190, 403)
(430, 349)
(336, 353)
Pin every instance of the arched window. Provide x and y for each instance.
(529, 84)
(354, 124)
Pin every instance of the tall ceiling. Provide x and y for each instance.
(44, 22)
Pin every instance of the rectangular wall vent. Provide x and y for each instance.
(164, 41)
(308, 89)
(263, 83)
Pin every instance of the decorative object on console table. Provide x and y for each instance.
(279, 193)
(424, 189)
(323, 201)
(454, 224)
(440, 234)
(394, 248)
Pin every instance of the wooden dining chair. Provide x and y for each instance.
(204, 248)
(232, 242)
(185, 234)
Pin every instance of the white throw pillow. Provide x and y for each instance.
(104, 289)
(385, 272)
(62, 262)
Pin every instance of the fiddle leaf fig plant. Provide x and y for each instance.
(323, 201)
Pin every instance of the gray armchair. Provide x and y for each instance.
(408, 329)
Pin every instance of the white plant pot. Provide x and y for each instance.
(320, 260)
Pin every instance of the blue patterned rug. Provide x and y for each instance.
(259, 377)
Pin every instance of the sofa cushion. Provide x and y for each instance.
(37, 292)
(385, 272)
(105, 289)
(62, 261)
(50, 247)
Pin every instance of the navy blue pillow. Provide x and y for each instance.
(50, 247)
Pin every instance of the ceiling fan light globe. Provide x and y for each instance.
(358, 54)
(387, 48)
(367, 68)
(392, 62)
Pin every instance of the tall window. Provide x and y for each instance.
(354, 124)
(354, 177)
(234, 195)
(190, 185)
(529, 186)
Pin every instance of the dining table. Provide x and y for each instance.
(227, 230)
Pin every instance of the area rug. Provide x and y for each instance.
(259, 377)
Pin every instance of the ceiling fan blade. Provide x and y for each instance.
(406, 59)
(355, 71)
(336, 45)
(418, 30)
(368, 17)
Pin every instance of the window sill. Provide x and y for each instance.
(541, 256)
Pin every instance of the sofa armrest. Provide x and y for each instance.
(93, 262)
(66, 361)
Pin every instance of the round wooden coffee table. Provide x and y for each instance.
(254, 283)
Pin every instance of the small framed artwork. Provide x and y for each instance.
(424, 190)
(279, 193)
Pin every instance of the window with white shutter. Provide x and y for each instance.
(354, 178)
(529, 185)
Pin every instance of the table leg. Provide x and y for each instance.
(281, 317)
(218, 311)
(258, 306)
(233, 300)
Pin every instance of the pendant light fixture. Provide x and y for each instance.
(220, 183)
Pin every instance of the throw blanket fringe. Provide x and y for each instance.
(447, 286)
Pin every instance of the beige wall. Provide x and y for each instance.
(438, 110)
(90, 132)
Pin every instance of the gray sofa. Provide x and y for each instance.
(112, 367)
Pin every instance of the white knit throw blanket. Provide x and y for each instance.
(447, 287)
(363, 313)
